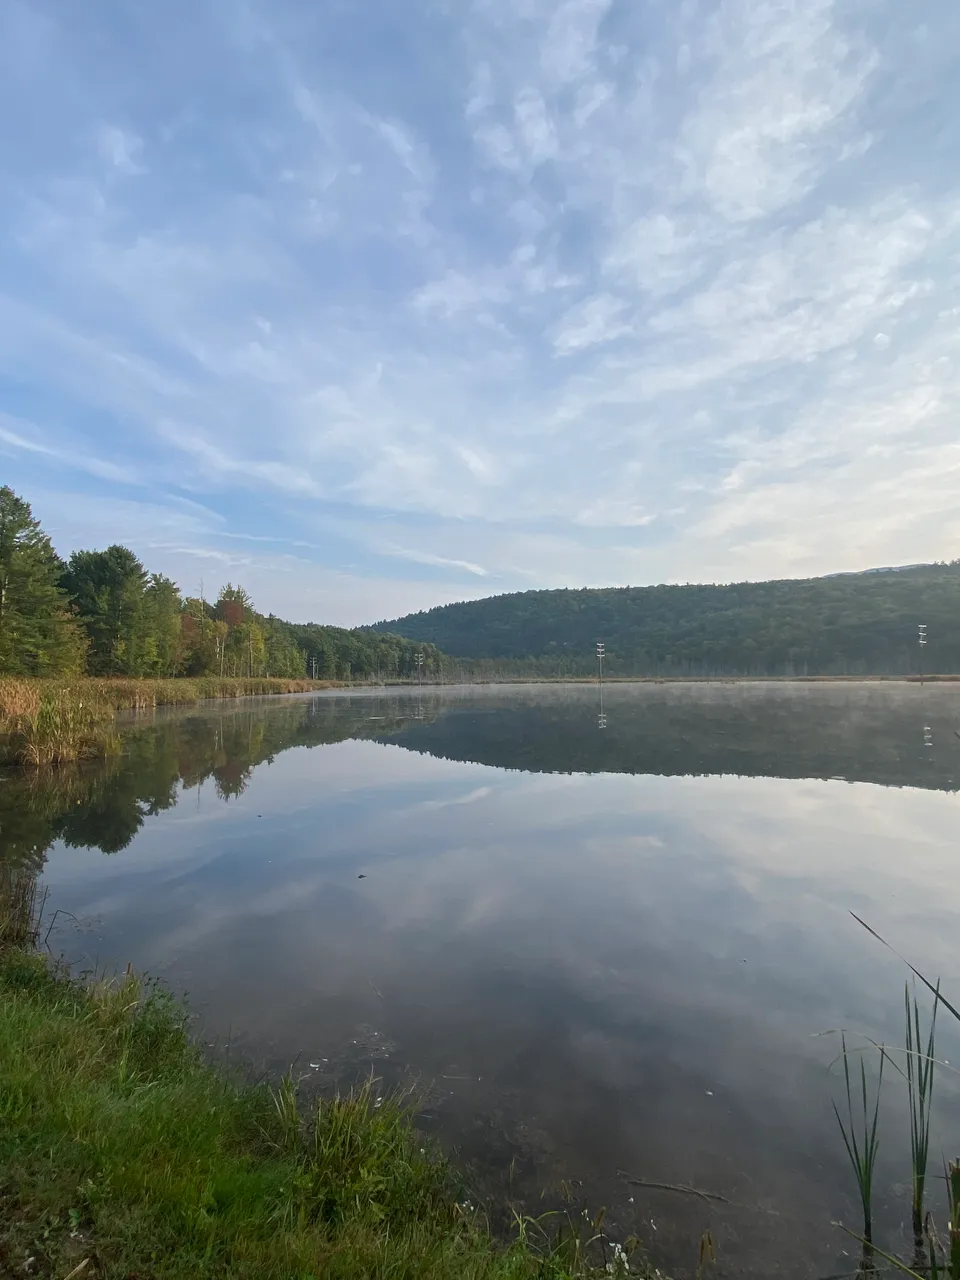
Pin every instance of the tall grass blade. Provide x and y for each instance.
(920, 1064)
(934, 990)
(19, 920)
(953, 1194)
(860, 1135)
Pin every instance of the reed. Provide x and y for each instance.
(44, 722)
(19, 921)
(65, 728)
(23, 696)
(19, 697)
(860, 1135)
(919, 1073)
(932, 1256)
(140, 695)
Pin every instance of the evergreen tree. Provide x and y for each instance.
(38, 636)
(103, 613)
(109, 591)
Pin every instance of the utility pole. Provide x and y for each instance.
(600, 653)
(921, 641)
(418, 659)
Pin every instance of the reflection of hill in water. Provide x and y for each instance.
(862, 733)
(874, 733)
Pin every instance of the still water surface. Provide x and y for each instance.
(602, 951)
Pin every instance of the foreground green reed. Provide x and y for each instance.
(934, 1255)
(124, 1155)
(44, 722)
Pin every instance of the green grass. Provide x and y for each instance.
(124, 1154)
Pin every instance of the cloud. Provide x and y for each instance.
(591, 323)
(779, 108)
(556, 292)
(427, 557)
(15, 440)
(120, 149)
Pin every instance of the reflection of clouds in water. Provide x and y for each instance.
(635, 962)
(569, 868)
(635, 965)
(425, 806)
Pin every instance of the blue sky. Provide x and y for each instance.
(375, 306)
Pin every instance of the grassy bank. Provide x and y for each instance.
(123, 1154)
(46, 722)
(23, 697)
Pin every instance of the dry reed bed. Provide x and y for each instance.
(44, 722)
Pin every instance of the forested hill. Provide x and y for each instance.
(855, 623)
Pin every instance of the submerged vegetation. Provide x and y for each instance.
(123, 1153)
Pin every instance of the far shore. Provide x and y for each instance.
(593, 680)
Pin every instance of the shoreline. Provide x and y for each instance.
(49, 721)
(948, 678)
(126, 1153)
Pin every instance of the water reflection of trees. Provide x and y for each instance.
(890, 734)
(103, 805)
(894, 736)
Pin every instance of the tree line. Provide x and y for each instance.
(101, 613)
(844, 624)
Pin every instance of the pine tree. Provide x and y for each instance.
(38, 635)
(109, 588)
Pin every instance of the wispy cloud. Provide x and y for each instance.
(119, 148)
(522, 292)
(24, 439)
(427, 557)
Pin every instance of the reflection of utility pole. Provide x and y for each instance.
(921, 640)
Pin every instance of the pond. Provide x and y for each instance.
(603, 942)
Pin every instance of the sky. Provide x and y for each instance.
(375, 306)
